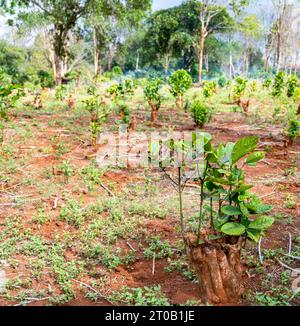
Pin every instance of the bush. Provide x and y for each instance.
(278, 84)
(292, 84)
(201, 113)
(239, 87)
(151, 92)
(222, 82)
(117, 71)
(294, 129)
(267, 83)
(180, 82)
(209, 88)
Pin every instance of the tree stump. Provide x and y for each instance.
(219, 271)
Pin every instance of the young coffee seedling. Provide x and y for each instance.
(278, 85)
(180, 82)
(9, 94)
(229, 214)
(209, 88)
(98, 111)
(151, 91)
(292, 84)
(201, 113)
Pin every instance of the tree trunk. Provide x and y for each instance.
(219, 271)
(109, 61)
(200, 54)
(59, 69)
(137, 60)
(166, 65)
(96, 54)
(278, 52)
(154, 114)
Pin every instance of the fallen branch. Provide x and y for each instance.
(153, 264)
(290, 244)
(106, 189)
(293, 257)
(261, 258)
(30, 300)
(288, 267)
(94, 290)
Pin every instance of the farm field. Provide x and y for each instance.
(75, 234)
(149, 154)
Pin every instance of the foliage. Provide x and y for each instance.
(9, 94)
(293, 130)
(239, 88)
(147, 296)
(98, 112)
(240, 214)
(209, 88)
(222, 81)
(267, 83)
(151, 92)
(201, 113)
(278, 85)
(292, 84)
(180, 82)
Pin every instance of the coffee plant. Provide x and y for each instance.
(209, 88)
(180, 82)
(153, 97)
(201, 113)
(267, 83)
(98, 113)
(9, 94)
(292, 84)
(293, 130)
(278, 85)
(239, 87)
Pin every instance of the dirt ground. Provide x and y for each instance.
(34, 179)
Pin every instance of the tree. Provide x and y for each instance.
(251, 30)
(61, 15)
(109, 21)
(209, 10)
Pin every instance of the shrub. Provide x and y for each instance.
(180, 82)
(222, 82)
(292, 84)
(239, 87)
(267, 83)
(209, 88)
(151, 92)
(294, 130)
(278, 85)
(98, 112)
(9, 94)
(201, 113)
(117, 71)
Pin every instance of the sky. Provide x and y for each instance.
(161, 4)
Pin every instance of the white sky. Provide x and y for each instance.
(161, 4)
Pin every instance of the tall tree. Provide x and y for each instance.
(109, 20)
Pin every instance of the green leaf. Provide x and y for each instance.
(255, 157)
(234, 229)
(262, 209)
(219, 181)
(254, 235)
(231, 210)
(243, 147)
(262, 223)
